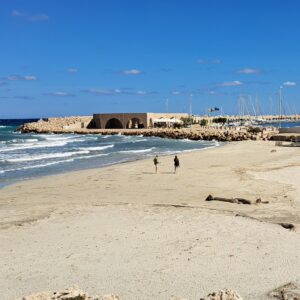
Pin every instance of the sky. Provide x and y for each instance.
(61, 57)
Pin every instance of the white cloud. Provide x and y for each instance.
(30, 77)
(132, 72)
(175, 92)
(215, 61)
(60, 94)
(72, 70)
(118, 91)
(103, 92)
(29, 16)
(19, 77)
(16, 13)
(231, 83)
(289, 83)
(141, 93)
(249, 71)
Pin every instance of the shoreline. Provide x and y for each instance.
(125, 230)
(2, 186)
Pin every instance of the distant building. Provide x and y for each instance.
(136, 120)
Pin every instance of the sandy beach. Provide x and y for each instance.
(125, 230)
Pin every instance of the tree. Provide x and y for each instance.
(203, 122)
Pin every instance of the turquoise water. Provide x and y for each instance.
(25, 156)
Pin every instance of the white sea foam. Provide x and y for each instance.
(91, 156)
(189, 141)
(46, 156)
(56, 137)
(137, 151)
(18, 141)
(38, 166)
(97, 148)
(32, 145)
(138, 141)
(42, 144)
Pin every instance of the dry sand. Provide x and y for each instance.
(127, 231)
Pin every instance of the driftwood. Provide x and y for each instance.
(287, 225)
(286, 292)
(234, 200)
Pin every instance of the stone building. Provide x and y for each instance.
(135, 120)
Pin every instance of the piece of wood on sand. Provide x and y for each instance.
(286, 292)
(235, 200)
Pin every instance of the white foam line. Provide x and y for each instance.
(91, 156)
(137, 151)
(38, 166)
(96, 148)
(32, 146)
(142, 140)
(47, 156)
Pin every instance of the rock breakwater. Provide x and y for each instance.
(79, 125)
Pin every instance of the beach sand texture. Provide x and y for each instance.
(125, 230)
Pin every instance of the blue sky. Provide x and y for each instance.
(60, 57)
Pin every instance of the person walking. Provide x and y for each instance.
(176, 163)
(155, 161)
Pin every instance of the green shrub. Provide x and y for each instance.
(220, 120)
(254, 129)
(203, 122)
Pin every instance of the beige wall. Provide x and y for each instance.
(145, 118)
(102, 119)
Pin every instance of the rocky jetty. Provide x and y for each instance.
(79, 125)
(56, 124)
(76, 294)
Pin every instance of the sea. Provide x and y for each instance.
(282, 124)
(28, 156)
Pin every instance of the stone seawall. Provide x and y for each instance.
(79, 125)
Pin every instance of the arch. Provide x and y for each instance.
(114, 123)
(134, 123)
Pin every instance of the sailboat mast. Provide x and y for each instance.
(280, 105)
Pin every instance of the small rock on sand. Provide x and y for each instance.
(223, 295)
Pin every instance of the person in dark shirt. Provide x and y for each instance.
(155, 161)
(176, 163)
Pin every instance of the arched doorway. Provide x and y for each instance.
(134, 123)
(113, 124)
